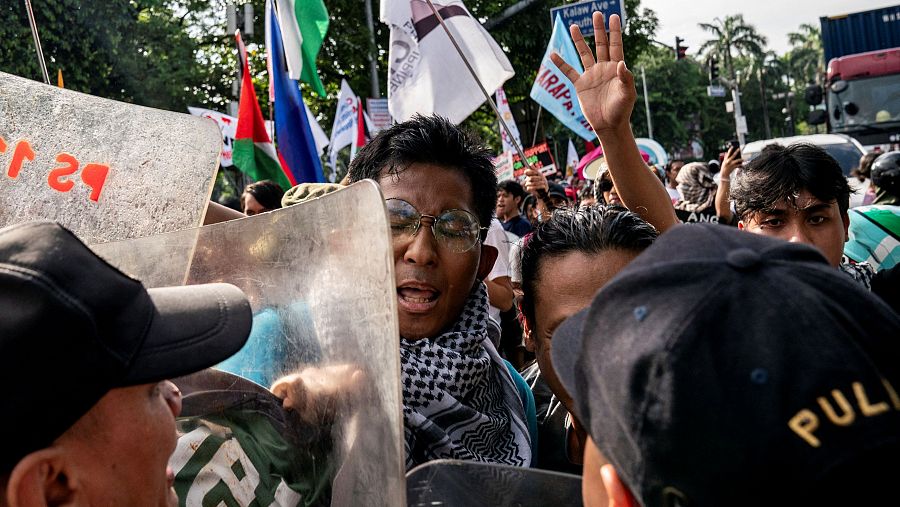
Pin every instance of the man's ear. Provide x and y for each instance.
(845, 217)
(526, 329)
(616, 490)
(42, 478)
(486, 264)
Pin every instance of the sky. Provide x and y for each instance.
(773, 18)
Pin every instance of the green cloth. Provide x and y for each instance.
(306, 191)
(239, 458)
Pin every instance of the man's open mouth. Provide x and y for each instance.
(417, 298)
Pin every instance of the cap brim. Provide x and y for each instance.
(193, 327)
(567, 351)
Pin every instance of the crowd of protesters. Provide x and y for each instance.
(705, 334)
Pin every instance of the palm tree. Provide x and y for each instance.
(806, 56)
(731, 34)
(761, 65)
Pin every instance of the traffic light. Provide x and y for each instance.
(679, 49)
(713, 70)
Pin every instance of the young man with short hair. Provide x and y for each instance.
(460, 399)
(799, 194)
(88, 416)
(509, 201)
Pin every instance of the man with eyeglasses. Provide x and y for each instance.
(461, 400)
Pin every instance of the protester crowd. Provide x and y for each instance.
(749, 358)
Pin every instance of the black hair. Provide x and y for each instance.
(266, 192)
(864, 170)
(781, 173)
(431, 140)
(591, 230)
(511, 187)
(528, 203)
(672, 163)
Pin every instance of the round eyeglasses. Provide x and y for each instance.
(456, 229)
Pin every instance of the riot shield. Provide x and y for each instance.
(320, 279)
(104, 169)
(453, 483)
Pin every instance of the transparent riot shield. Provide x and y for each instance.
(320, 279)
(106, 170)
(453, 483)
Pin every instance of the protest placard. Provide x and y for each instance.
(503, 165)
(539, 157)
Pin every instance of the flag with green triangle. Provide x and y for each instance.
(253, 151)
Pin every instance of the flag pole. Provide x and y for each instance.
(37, 42)
(542, 193)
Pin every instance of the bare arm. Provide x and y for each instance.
(606, 93)
(723, 203)
(536, 183)
(500, 292)
(216, 213)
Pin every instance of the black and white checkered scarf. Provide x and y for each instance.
(459, 400)
(697, 188)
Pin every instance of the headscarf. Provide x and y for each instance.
(306, 191)
(459, 399)
(697, 188)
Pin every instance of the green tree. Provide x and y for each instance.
(680, 109)
(806, 57)
(732, 36)
(134, 51)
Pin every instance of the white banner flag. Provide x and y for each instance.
(426, 74)
(571, 158)
(319, 135)
(506, 114)
(344, 131)
(228, 126)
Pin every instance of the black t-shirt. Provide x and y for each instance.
(518, 226)
(696, 217)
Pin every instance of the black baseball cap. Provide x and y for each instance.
(72, 327)
(722, 367)
(556, 190)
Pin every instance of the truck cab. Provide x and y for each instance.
(863, 96)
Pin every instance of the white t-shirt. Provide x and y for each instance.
(515, 258)
(496, 237)
(673, 195)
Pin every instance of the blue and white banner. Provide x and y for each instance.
(553, 90)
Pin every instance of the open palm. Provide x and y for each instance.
(606, 88)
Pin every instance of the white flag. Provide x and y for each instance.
(571, 158)
(344, 131)
(506, 114)
(426, 75)
(228, 126)
(319, 135)
(291, 37)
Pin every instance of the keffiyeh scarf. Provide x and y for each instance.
(697, 187)
(459, 400)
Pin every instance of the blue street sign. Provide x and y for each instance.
(581, 12)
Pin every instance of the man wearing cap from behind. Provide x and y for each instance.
(88, 417)
(723, 368)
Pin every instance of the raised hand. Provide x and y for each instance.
(732, 161)
(606, 88)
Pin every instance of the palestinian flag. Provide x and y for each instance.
(253, 152)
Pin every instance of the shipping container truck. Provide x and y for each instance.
(863, 77)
